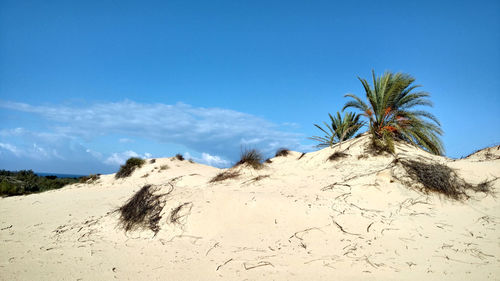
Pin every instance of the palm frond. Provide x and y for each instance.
(389, 105)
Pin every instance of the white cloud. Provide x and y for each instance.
(95, 154)
(125, 140)
(12, 148)
(215, 131)
(207, 159)
(48, 152)
(12, 132)
(120, 158)
(215, 161)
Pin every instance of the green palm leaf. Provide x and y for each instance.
(390, 100)
(340, 128)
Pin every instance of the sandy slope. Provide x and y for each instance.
(304, 219)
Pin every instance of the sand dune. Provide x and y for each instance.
(294, 219)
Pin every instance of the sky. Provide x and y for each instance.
(84, 85)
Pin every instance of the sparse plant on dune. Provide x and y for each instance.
(391, 114)
(337, 155)
(282, 152)
(90, 178)
(224, 176)
(143, 210)
(436, 177)
(339, 129)
(251, 157)
(179, 157)
(128, 168)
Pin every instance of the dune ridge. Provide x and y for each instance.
(299, 217)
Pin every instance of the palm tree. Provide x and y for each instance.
(339, 130)
(389, 111)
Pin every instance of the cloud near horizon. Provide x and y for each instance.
(217, 134)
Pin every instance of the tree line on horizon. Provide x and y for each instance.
(27, 182)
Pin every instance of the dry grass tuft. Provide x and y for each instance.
(363, 156)
(152, 161)
(176, 215)
(257, 178)
(224, 176)
(142, 210)
(90, 178)
(380, 146)
(251, 157)
(128, 168)
(164, 167)
(268, 161)
(179, 157)
(436, 177)
(282, 152)
(337, 155)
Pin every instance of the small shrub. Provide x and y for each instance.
(142, 210)
(337, 155)
(251, 157)
(224, 176)
(128, 168)
(269, 161)
(179, 157)
(191, 161)
(436, 177)
(89, 179)
(152, 161)
(282, 152)
(145, 176)
(164, 167)
(385, 144)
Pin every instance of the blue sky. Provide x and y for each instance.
(86, 84)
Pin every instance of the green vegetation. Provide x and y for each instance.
(128, 168)
(90, 178)
(251, 157)
(389, 110)
(339, 130)
(26, 182)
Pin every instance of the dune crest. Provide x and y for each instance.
(302, 216)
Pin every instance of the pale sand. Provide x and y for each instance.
(296, 224)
